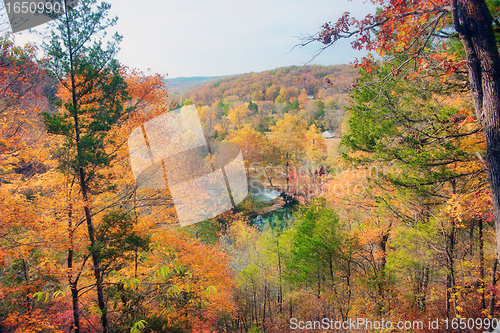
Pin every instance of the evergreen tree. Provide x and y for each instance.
(92, 97)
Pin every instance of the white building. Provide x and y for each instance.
(329, 135)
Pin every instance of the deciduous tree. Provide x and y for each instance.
(410, 27)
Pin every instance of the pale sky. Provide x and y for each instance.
(223, 37)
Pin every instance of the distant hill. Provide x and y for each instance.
(268, 85)
(181, 84)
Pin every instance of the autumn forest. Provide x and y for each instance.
(373, 187)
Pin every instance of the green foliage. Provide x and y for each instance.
(93, 89)
(317, 244)
(404, 123)
(224, 107)
(138, 326)
(255, 329)
(253, 107)
(117, 241)
(320, 108)
(207, 231)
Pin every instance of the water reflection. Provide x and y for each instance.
(271, 218)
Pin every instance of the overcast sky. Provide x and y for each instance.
(222, 37)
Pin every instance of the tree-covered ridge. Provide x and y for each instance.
(180, 85)
(286, 82)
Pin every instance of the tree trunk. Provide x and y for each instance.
(76, 309)
(73, 284)
(450, 259)
(280, 282)
(423, 284)
(319, 284)
(473, 22)
(269, 179)
(381, 273)
(481, 264)
(97, 271)
(491, 310)
(264, 308)
(287, 177)
(255, 316)
(27, 301)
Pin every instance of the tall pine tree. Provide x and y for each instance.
(92, 94)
